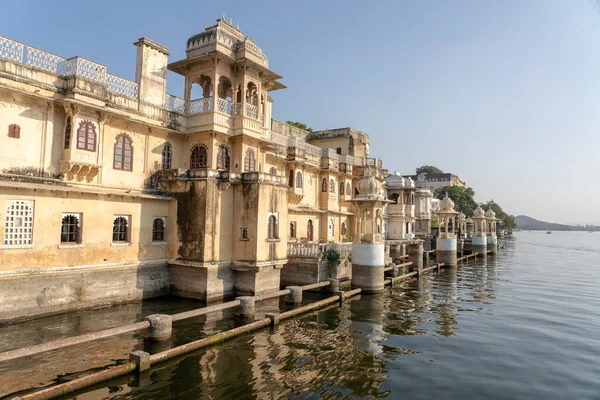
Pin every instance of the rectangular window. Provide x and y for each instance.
(338, 150)
(158, 229)
(70, 230)
(121, 229)
(244, 234)
(18, 223)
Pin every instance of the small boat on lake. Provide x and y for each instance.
(549, 232)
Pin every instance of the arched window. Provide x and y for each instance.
(291, 178)
(70, 230)
(223, 157)
(199, 157)
(167, 156)
(341, 188)
(272, 228)
(299, 181)
(273, 171)
(86, 136)
(123, 153)
(344, 229)
(14, 131)
(348, 189)
(120, 229)
(292, 229)
(309, 230)
(324, 185)
(158, 229)
(68, 133)
(330, 230)
(331, 186)
(249, 161)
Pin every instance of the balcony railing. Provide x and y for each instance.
(251, 111)
(201, 105)
(224, 106)
(175, 104)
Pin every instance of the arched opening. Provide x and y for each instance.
(330, 227)
(252, 94)
(223, 161)
(199, 157)
(70, 230)
(348, 189)
(158, 230)
(249, 161)
(299, 181)
(341, 188)
(225, 94)
(324, 185)
(123, 153)
(309, 230)
(332, 186)
(272, 228)
(291, 178)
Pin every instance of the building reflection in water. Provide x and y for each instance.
(336, 353)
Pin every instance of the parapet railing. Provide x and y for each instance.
(315, 250)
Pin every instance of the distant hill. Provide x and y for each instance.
(531, 224)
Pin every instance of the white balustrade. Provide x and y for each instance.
(201, 105)
(224, 106)
(251, 111)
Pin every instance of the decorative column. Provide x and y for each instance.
(479, 239)
(446, 242)
(368, 249)
(415, 254)
(492, 239)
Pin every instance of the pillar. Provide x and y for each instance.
(446, 251)
(368, 261)
(492, 244)
(479, 245)
(295, 295)
(160, 326)
(246, 307)
(415, 255)
(334, 285)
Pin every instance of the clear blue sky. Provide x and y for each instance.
(504, 94)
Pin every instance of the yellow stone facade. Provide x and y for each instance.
(207, 191)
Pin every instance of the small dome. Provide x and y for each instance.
(478, 213)
(461, 216)
(469, 221)
(395, 181)
(369, 187)
(447, 204)
(490, 213)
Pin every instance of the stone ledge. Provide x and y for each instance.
(71, 246)
(36, 271)
(15, 246)
(161, 243)
(113, 244)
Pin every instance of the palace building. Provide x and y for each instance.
(113, 190)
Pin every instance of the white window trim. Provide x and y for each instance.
(122, 244)
(72, 245)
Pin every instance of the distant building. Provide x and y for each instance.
(436, 181)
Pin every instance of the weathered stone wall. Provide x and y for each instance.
(51, 291)
(206, 283)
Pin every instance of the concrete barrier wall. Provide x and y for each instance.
(202, 283)
(33, 294)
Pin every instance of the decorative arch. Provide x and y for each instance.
(299, 180)
(249, 161)
(199, 156)
(123, 154)
(324, 185)
(223, 159)
(341, 188)
(348, 189)
(309, 230)
(291, 178)
(332, 185)
(86, 136)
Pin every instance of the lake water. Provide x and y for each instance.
(523, 326)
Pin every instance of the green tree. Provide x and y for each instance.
(299, 125)
(428, 169)
(508, 221)
(462, 197)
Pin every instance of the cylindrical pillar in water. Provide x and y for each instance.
(492, 244)
(415, 255)
(479, 245)
(367, 266)
(446, 251)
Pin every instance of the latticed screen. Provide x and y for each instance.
(18, 223)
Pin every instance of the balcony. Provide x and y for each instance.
(315, 250)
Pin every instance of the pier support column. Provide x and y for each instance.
(295, 295)
(334, 285)
(415, 255)
(246, 307)
(160, 327)
(479, 245)
(492, 244)
(368, 261)
(446, 252)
